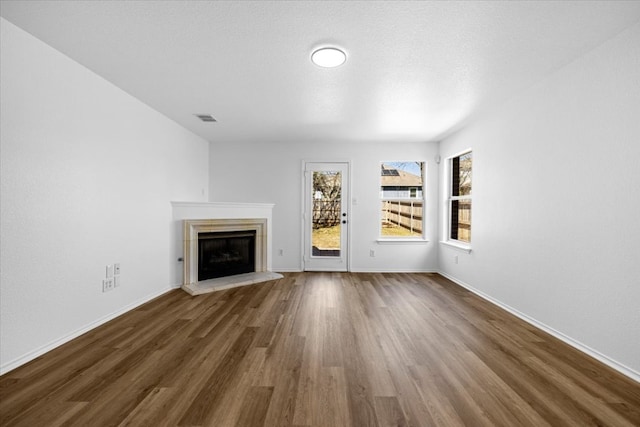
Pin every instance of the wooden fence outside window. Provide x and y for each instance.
(406, 214)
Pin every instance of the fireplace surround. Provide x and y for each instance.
(205, 216)
(193, 228)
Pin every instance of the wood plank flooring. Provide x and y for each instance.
(319, 349)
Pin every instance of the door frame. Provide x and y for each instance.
(303, 221)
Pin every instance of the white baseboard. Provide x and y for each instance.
(9, 366)
(387, 270)
(362, 270)
(623, 369)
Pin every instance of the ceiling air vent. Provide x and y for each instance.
(206, 117)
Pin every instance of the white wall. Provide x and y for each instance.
(272, 173)
(556, 208)
(87, 176)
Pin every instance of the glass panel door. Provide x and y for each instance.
(326, 216)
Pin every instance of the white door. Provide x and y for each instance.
(326, 216)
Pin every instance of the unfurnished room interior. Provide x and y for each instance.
(320, 213)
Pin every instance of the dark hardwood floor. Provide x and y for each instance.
(319, 349)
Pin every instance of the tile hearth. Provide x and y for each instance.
(228, 282)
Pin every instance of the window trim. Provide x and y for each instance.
(455, 244)
(404, 239)
(449, 199)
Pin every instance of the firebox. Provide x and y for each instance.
(226, 253)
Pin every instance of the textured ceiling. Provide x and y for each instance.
(415, 71)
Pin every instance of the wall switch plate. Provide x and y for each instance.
(372, 253)
(116, 268)
(109, 271)
(116, 281)
(280, 252)
(455, 259)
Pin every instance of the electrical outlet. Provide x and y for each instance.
(455, 259)
(116, 269)
(107, 284)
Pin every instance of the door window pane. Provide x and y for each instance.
(326, 211)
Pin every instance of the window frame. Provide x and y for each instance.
(423, 199)
(450, 198)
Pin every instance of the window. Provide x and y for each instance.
(402, 199)
(460, 198)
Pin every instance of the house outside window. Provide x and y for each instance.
(460, 198)
(402, 199)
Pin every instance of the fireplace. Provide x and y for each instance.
(224, 253)
(227, 253)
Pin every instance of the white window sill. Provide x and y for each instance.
(456, 245)
(399, 240)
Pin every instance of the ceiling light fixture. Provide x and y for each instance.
(328, 57)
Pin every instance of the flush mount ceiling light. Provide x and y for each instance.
(328, 57)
